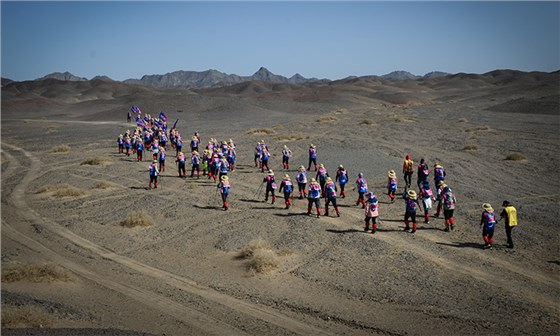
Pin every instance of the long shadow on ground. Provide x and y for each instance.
(462, 245)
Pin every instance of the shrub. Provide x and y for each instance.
(62, 190)
(516, 157)
(60, 149)
(367, 122)
(470, 148)
(138, 218)
(32, 272)
(25, 317)
(264, 261)
(258, 131)
(105, 185)
(257, 244)
(327, 118)
(96, 161)
(462, 120)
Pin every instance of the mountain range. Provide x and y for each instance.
(215, 78)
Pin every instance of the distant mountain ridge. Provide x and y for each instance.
(215, 78)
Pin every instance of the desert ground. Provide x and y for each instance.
(66, 190)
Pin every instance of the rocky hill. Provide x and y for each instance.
(64, 76)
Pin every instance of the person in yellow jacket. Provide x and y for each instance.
(408, 170)
(510, 214)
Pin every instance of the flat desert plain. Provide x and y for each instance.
(69, 266)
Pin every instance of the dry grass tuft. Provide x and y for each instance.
(60, 149)
(257, 244)
(516, 157)
(368, 122)
(470, 148)
(106, 185)
(62, 190)
(462, 120)
(138, 218)
(32, 272)
(404, 119)
(341, 111)
(96, 161)
(291, 137)
(327, 118)
(258, 131)
(25, 317)
(479, 128)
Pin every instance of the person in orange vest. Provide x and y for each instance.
(408, 170)
(510, 215)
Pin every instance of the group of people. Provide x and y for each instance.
(218, 159)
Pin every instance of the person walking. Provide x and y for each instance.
(258, 151)
(321, 176)
(194, 144)
(439, 197)
(487, 222)
(154, 172)
(270, 186)
(342, 179)
(224, 167)
(510, 214)
(265, 155)
(439, 174)
(287, 186)
(301, 179)
(392, 185)
(224, 187)
(286, 154)
(139, 150)
(120, 142)
(195, 162)
(314, 197)
(361, 185)
(371, 212)
(231, 154)
(181, 164)
(412, 205)
(312, 157)
(161, 158)
(408, 170)
(330, 194)
(423, 172)
(426, 196)
(449, 202)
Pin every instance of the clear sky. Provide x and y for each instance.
(316, 39)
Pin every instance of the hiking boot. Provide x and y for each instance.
(446, 229)
(337, 214)
(413, 231)
(452, 227)
(373, 231)
(406, 228)
(366, 229)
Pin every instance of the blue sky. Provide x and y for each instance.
(316, 39)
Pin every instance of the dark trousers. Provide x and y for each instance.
(509, 230)
(408, 178)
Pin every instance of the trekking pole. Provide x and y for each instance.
(257, 193)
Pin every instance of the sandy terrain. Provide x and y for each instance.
(184, 275)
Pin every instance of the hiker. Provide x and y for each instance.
(286, 154)
(487, 222)
(426, 196)
(194, 144)
(155, 149)
(301, 181)
(270, 185)
(153, 174)
(224, 148)
(231, 154)
(439, 173)
(224, 167)
(371, 212)
(205, 159)
(224, 187)
(120, 142)
(288, 188)
(392, 185)
(439, 197)
(342, 179)
(161, 158)
(510, 214)
(139, 150)
(265, 155)
(410, 212)
(215, 167)
(195, 162)
(423, 172)
(162, 139)
(179, 144)
(330, 194)
(312, 157)
(361, 184)
(258, 151)
(321, 176)
(128, 117)
(449, 201)
(181, 164)
(408, 170)
(314, 197)
(231, 143)
(127, 145)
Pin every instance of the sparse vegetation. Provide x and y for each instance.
(62, 190)
(96, 161)
(264, 261)
(367, 122)
(341, 111)
(32, 272)
(25, 317)
(258, 131)
(105, 185)
(404, 119)
(61, 149)
(291, 137)
(516, 157)
(254, 245)
(462, 120)
(470, 148)
(138, 218)
(327, 118)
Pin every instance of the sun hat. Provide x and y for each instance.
(391, 173)
(341, 167)
(487, 207)
(287, 177)
(313, 179)
(270, 172)
(411, 194)
(225, 177)
(302, 168)
(321, 166)
(180, 154)
(328, 179)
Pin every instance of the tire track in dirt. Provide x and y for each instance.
(188, 285)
